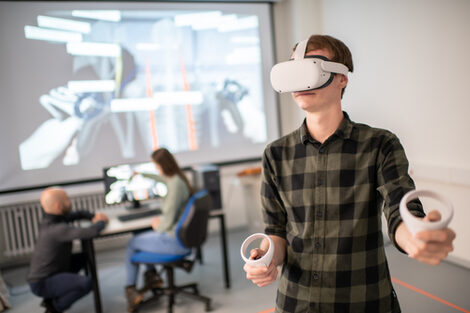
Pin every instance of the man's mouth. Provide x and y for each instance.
(304, 93)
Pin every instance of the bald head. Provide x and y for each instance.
(55, 201)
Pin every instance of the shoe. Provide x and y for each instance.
(152, 280)
(47, 303)
(187, 265)
(134, 298)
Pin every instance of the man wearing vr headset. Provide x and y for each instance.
(323, 190)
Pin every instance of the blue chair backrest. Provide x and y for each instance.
(191, 230)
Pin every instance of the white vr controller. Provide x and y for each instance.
(416, 224)
(265, 260)
(304, 73)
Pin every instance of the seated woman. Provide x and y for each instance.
(162, 238)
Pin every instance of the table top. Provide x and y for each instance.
(115, 226)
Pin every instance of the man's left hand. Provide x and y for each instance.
(428, 246)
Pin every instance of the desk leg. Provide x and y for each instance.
(224, 251)
(87, 245)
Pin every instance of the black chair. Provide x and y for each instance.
(191, 232)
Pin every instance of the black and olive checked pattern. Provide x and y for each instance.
(326, 200)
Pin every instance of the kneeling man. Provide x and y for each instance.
(53, 273)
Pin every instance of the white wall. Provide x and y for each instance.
(293, 21)
(411, 77)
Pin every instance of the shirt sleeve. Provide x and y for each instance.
(79, 215)
(393, 183)
(68, 232)
(274, 212)
(158, 178)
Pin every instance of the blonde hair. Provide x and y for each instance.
(339, 51)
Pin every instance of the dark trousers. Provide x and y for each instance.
(63, 289)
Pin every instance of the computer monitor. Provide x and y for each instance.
(123, 185)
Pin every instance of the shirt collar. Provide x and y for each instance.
(344, 130)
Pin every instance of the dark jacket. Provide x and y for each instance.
(53, 250)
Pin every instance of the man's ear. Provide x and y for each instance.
(343, 79)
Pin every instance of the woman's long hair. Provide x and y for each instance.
(169, 166)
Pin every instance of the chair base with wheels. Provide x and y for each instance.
(169, 263)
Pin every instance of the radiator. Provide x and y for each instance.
(20, 225)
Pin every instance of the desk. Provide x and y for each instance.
(116, 227)
(223, 242)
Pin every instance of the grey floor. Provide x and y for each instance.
(446, 281)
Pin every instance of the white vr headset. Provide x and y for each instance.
(305, 72)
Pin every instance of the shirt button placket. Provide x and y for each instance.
(319, 225)
(316, 276)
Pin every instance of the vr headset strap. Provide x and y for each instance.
(300, 50)
(327, 66)
(334, 67)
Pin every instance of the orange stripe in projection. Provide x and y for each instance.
(153, 122)
(189, 115)
(118, 77)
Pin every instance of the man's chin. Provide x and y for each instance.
(306, 106)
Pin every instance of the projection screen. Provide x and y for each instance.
(86, 85)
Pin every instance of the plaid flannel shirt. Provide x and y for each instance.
(326, 201)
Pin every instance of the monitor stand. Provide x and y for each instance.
(136, 205)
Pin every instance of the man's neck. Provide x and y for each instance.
(321, 125)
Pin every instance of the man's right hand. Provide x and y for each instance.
(100, 217)
(260, 275)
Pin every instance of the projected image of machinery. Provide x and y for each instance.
(125, 183)
(186, 80)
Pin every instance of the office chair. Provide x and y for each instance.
(190, 232)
